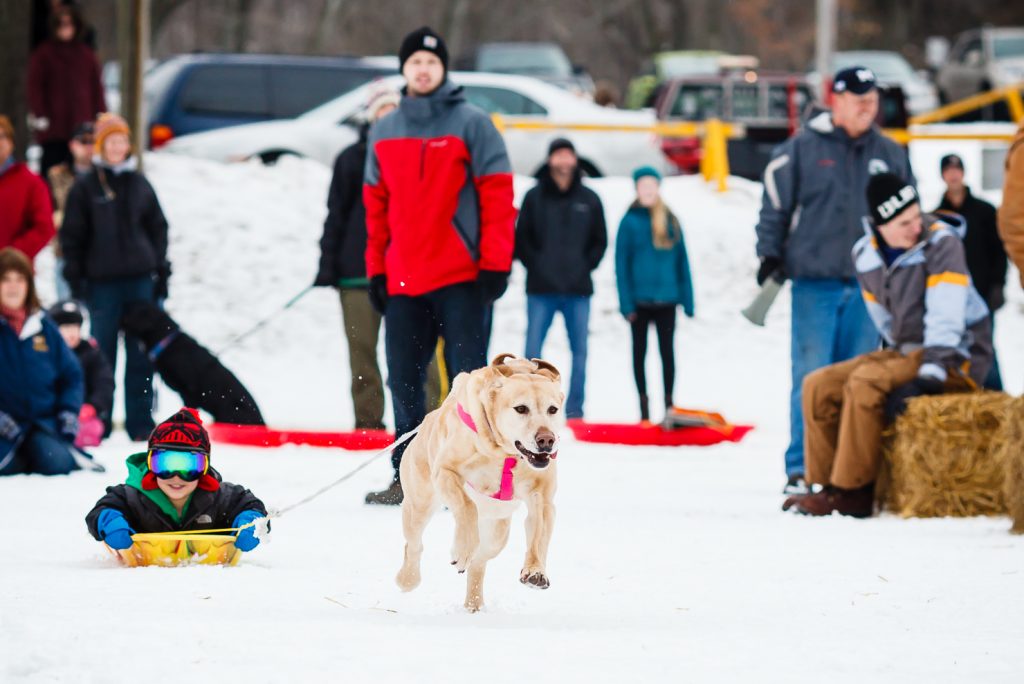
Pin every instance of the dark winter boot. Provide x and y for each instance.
(796, 485)
(645, 409)
(856, 503)
(392, 496)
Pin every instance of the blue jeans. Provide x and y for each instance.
(40, 453)
(411, 328)
(830, 324)
(106, 301)
(575, 310)
(994, 380)
(63, 289)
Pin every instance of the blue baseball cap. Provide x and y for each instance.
(856, 79)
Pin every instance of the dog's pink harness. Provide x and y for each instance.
(506, 489)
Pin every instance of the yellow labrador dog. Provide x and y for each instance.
(490, 445)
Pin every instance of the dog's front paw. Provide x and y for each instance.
(535, 579)
(462, 553)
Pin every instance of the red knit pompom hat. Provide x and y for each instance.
(184, 430)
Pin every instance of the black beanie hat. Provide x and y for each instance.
(67, 312)
(561, 144)
(423, 39)
(889, 196)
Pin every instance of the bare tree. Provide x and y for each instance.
(15, 37)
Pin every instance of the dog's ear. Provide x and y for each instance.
(547, 369)
(498, 364)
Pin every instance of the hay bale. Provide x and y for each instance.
(948, 454)
(1014, 485)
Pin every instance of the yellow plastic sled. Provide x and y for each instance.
(170, 550)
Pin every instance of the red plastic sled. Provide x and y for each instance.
(636, 434)
(261, 436)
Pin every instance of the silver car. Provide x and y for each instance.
(323, 132)
(980, 60)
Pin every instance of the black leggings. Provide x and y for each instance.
(664, 318)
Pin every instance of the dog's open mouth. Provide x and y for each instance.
(535, 459)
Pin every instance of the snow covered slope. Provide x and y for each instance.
(666, 565)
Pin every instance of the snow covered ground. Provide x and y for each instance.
(666, 565)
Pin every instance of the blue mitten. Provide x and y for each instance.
(246, 539)
(114, 529)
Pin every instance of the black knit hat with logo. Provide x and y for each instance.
(889, 196)
(423, 39)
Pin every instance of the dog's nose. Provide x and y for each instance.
(545, 441)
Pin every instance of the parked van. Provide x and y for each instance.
(195, 93)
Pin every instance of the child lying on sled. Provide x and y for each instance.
(172, 488)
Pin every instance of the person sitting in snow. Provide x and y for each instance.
(94, 416)
(40, 381)
(938, 338)
(172, 488)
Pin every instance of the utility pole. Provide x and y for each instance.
(826, 45)
(133, 21)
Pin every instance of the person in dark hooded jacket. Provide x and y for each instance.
(114, 240)
(560, 239)
(172, 488)
(343, 265)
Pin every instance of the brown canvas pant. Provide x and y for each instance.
(362, 326)
(844, 417)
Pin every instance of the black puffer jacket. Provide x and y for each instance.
(99, 378)
(986, 256)
(343, 245)
(117, 234)
(560, 237)
(206, 510)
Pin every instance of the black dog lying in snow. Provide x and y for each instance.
(190, 369)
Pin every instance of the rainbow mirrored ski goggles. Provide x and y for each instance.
(168, 463)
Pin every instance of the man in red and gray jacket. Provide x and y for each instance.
(440, 230)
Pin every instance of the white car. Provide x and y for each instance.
(323, 132)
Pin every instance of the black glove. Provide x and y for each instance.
(67, 425)
(769, 265)
(492, 285)
(79, 290)
(163, 277)
(379, 293)
(996, 298)
(325, 278)
(9, 428)
(926, 384)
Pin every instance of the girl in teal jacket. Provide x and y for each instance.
(653, 275)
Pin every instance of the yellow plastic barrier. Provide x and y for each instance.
(174, 549)
(713, 133)
(1009, 94)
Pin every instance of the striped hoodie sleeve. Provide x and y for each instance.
(945, 306)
